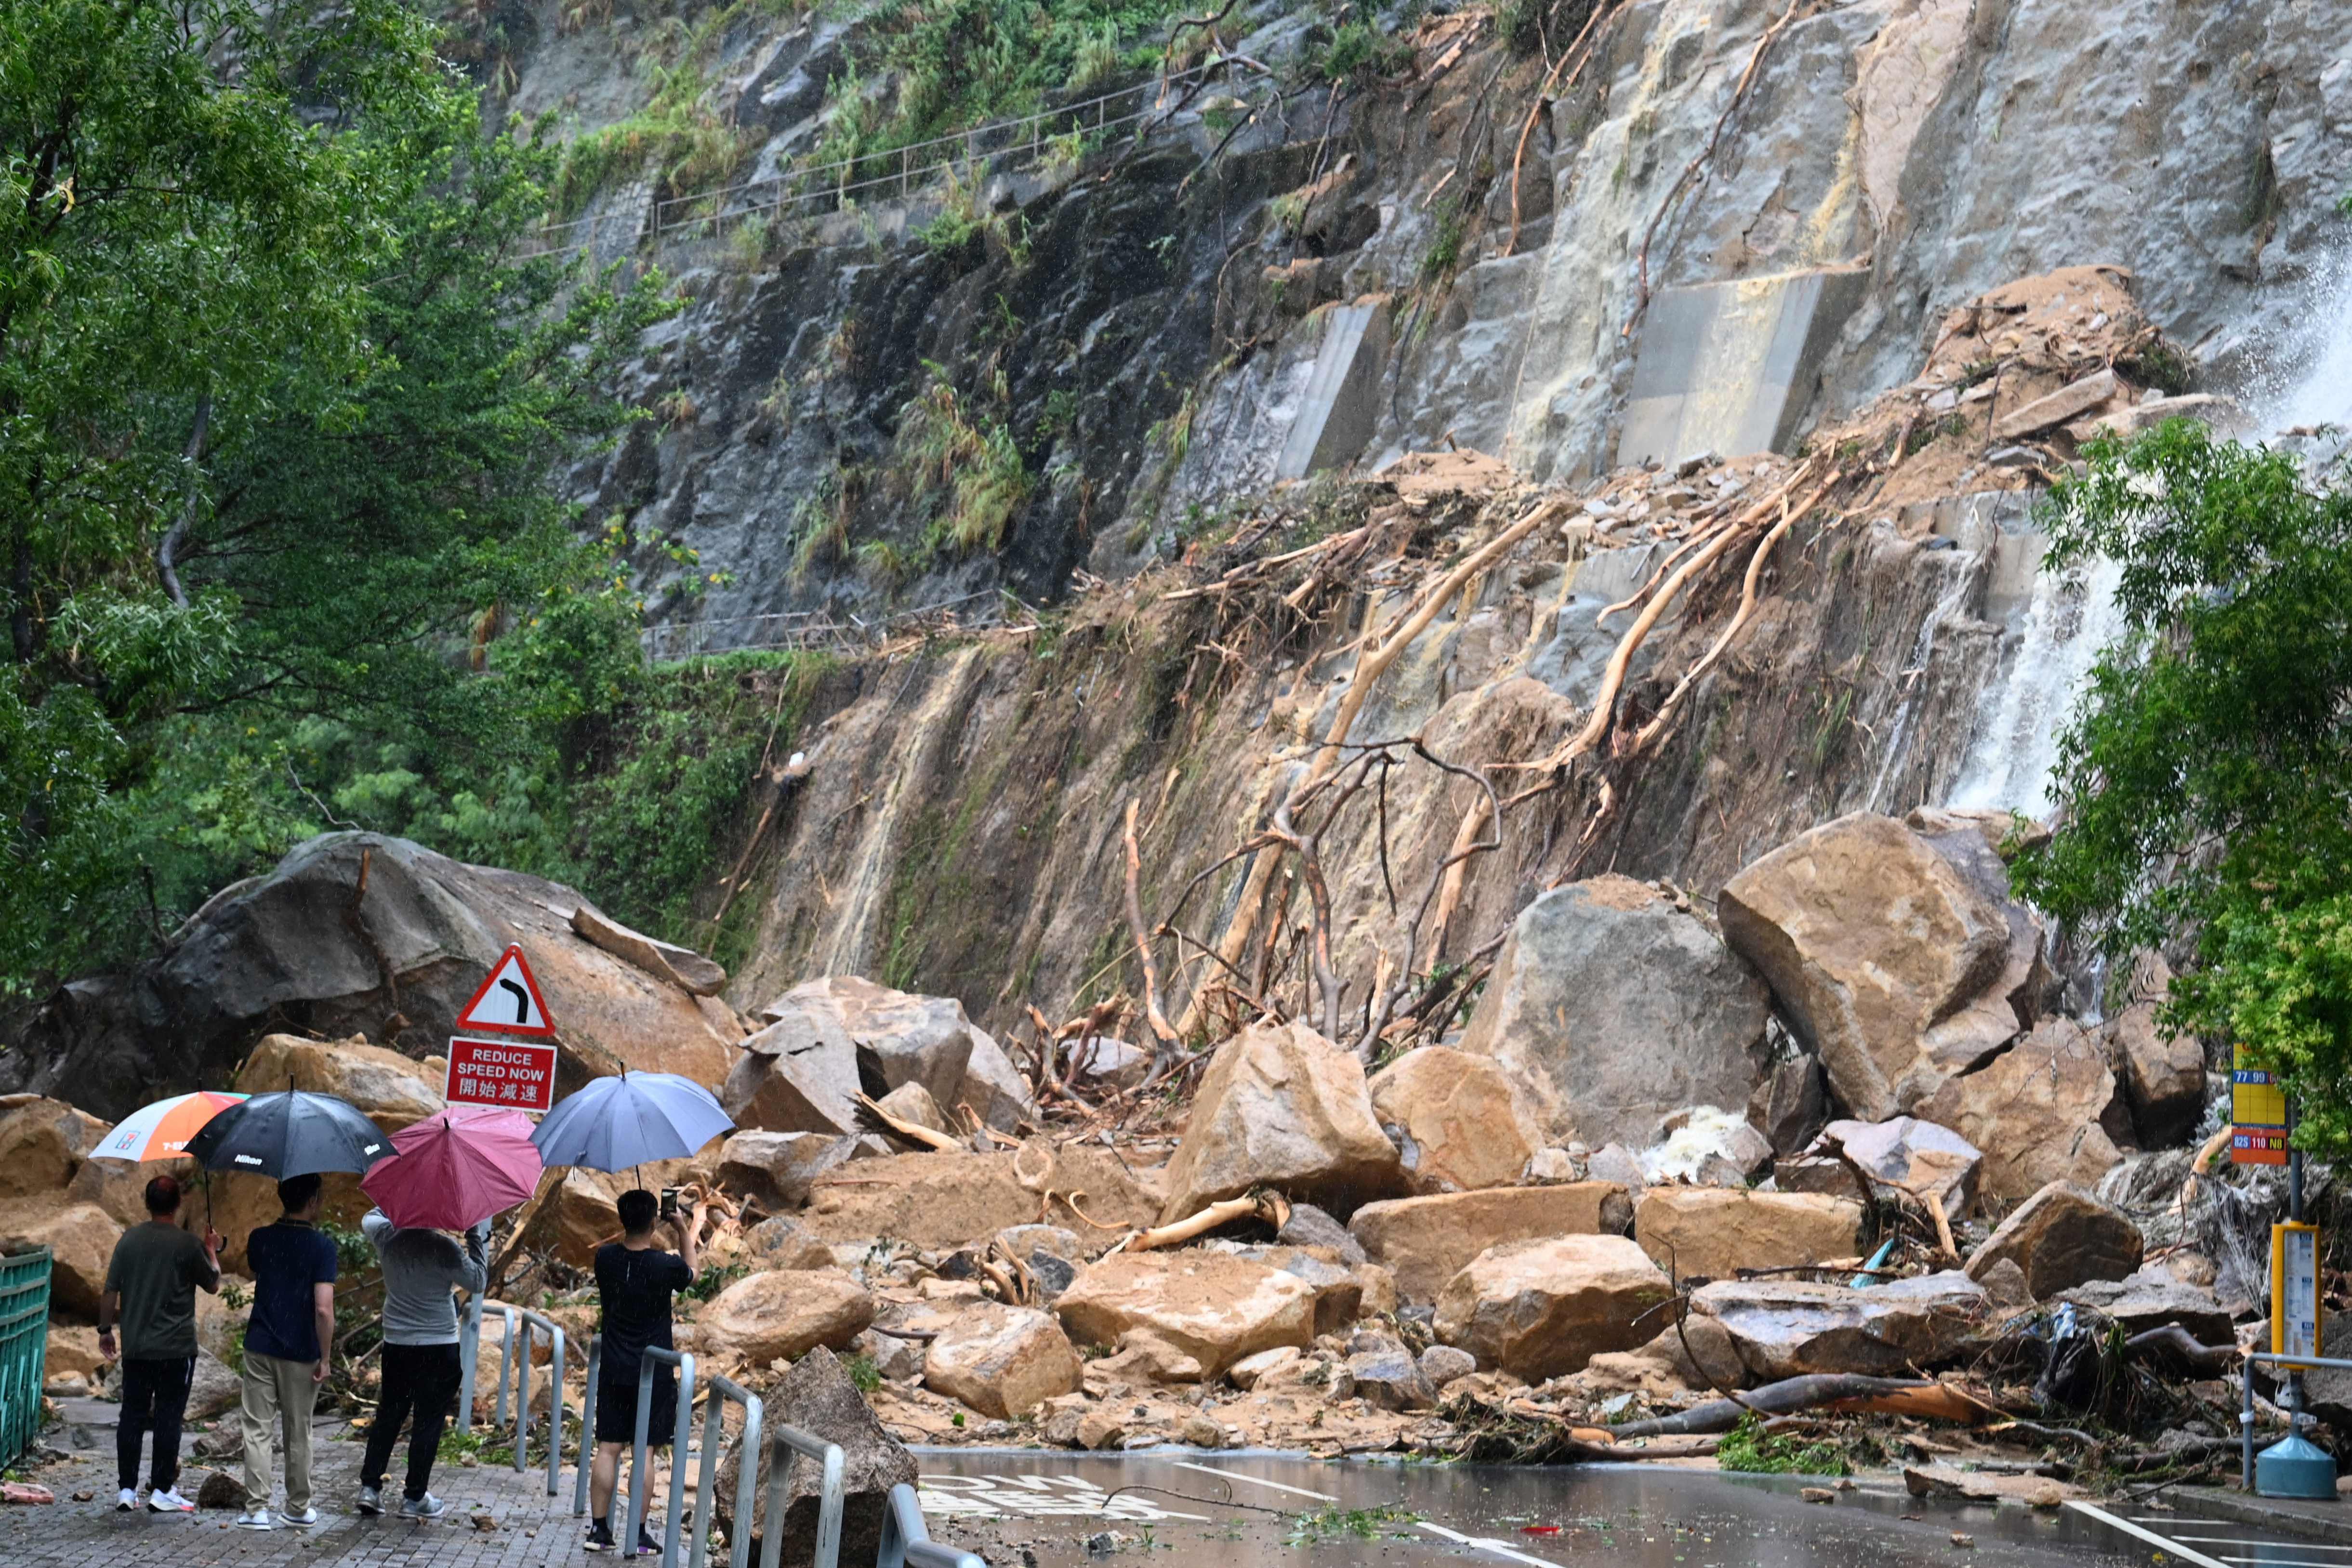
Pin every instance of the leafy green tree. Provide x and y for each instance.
(281, 397)
(2207, 778)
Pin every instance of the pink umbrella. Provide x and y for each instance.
(455, 1167)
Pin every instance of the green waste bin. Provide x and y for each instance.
(23, 1349)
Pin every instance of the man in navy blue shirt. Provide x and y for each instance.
(286, 1343)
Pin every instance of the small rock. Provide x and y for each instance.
(1311, 1227)
(1960, 1538)
(1102, 1543)
(1442, 1364)
(1246, 1372)
(84, 1495)
(25, 1494)
(1200, 1432)
(1099, 1429)
(1817, 1494)
(220, 1490)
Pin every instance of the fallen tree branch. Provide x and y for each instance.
(1266, 1206)
(1535, 111)
(1790, 1394)
(913, 1132)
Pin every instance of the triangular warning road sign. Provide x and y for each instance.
(509, 1001)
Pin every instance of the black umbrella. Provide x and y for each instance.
(289, 1135)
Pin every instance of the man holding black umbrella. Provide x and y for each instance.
(420, 1352)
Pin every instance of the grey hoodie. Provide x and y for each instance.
(420, 1268)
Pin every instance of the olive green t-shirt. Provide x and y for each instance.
(157, 1269)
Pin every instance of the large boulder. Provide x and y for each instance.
(1787, 1328)
(1539, 1309)
(2046, 1110)
(43, 1144)
(394, 1091)
(1458, 1121)
(1888, 960)
(1002, 1360)
(1282, 1107)
(795, 1076)
(842, 1033)
(2150, 1298)
(779, 1170)
(1932, 1163)
(818, 1397)
(81, 1237)
(2162, 1073)
(682, 966)
(1207, 1309)
(1615, 1008)
(572, 1214)
(1710, 1232)
(948, 1199)
(307, 948)
(1425, 1241)
(2061, 1237)
(781, 1314)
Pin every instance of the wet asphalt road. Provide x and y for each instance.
(1237, 1510)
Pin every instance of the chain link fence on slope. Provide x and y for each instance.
(1150, 105)
(844, 632)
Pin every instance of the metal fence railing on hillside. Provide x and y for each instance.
(844, 632)
(24, 1348)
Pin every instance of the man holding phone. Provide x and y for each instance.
(635, 1281)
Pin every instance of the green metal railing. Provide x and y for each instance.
(24, 1348)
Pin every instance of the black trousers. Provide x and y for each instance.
(420, 1382)
(154, 1398)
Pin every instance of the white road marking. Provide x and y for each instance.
(1485, 1543)
(2280, 1562)
(2186, 1553)
(2287, 1545)
(1253, 1481)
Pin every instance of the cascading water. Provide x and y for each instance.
(2069, 621)
(2314, 385)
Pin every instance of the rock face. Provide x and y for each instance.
(1282, 1107)
(2061, 1237)
(1615, 1009)
(942, 1199)
(1786, 1328)
(1539, 1309)
(43, 1144)
(1002, 1360)
(817, 1396)
(2046, 1110)
(1212, 1307)
(1887, 960)
(1458, 1121)
(1425, 1241)
(1712, 1230)
(302, 947)
(783, 1312)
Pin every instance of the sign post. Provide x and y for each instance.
(2262, 1131)
(508, 1058)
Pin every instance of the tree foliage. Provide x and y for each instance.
(2207, 778)
(281, 400)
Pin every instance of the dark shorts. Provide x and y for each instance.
(616, 1407)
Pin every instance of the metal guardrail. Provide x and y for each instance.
(681, 1441)
(2246, 1385)
(24, 1348)
(786, 1444)
(906, 1541)
(514, 1378)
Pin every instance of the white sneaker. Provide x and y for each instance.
(169, 1501)
(255, 1518)
(307, 1517)
(125, 1500)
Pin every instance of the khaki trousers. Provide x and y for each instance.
(278, 1394)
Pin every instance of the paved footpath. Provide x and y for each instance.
(526, 1526)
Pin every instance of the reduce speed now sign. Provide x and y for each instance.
(512, 1074)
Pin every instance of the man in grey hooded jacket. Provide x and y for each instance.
(420, 1352)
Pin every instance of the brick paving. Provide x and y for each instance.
(527, 1529)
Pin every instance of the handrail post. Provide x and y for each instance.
(906, 1540)
(588, 1425)
(784, 1444)
(638, 1479)
(681, 1442)
(506, 1367)
(470, 1357)
(522, 1395)
(747, 1483)
(555, 1422)
(2246, 1421)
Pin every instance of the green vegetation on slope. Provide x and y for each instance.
(2204, 777)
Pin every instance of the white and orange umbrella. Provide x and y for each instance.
(162, 1131)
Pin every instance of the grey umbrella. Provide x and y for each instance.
(612, 1123)
(289, 1135)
